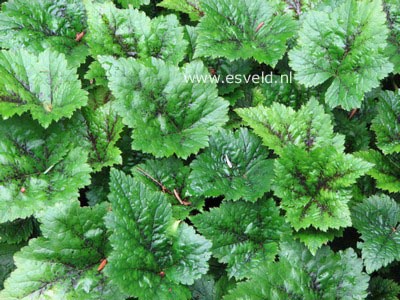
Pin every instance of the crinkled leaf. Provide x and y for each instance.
(39, 167)
(98, 130)
(170, 176)
(190, 7)
(235, 165)
(377, 219)
(44, 24)
(153, 255)
(346, 46)
(63, 263)
(130, 33)
(16, 231)
(314, 238)
(300, 275)
(7, 252)
(387, 123)
(169, 114)
(243, 234)
(243, 29)
(392, 9)
(386, 170)
(42, 84)
(279, 126)
(380, 288)
(314, 186)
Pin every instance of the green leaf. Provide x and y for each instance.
(38, 167)
(387, 122)
(346, 46)
(244, 235)
(384, 289)
(6, 260)
(98, 130)
(42, 84)
(16, 231)
(130, 33)
(314, 186)
(154, 256)
(299, 275)
(377, 219)
(234, 166)
(313, 238)
(386, 169)
(133, 3)
(243, 29)
(280, 126)
(40, 25)
(190, 7)
(208, 288)
(392, 9)
(169, 114)
(63, 263)
(170, 176)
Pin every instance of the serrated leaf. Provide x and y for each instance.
(314, 186)
(42, 84)
(98, 131)
(242, 29)
(154, 256)
(377, 219)
(130, 33)
(345, 45)
(392, 9)
(16, 231)
(6, 260)
(169, 114)
(279, 126)
(190, 7)
(386, 169)
(133, 3)
(40, 25)
(244, 235)
(299, 275)
(235, 166)
(313, 238)
(387, 122)
(385, 289)
(63, 263)
(169, 176)
(39, 167)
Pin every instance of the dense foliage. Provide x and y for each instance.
(200, 149)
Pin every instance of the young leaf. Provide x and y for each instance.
(190, 7)
(243, 29)
(235, 165)
(244, 235)
(153, 255)
(345, 45)
(40, 25)
(38, 167)
(280, 126)
(43, 84)
(387, 123)
(377, 219)
(314, 186)
(130, 33)
(300, 275)
(169, 113)
(63, 263)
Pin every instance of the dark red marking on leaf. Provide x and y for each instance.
(162, 274)
(102, 265)
(352, 113)
(79, 36)
(259, 26)
(212, 71)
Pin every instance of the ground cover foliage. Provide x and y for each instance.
(130, 168)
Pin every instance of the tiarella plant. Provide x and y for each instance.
(200, 149)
